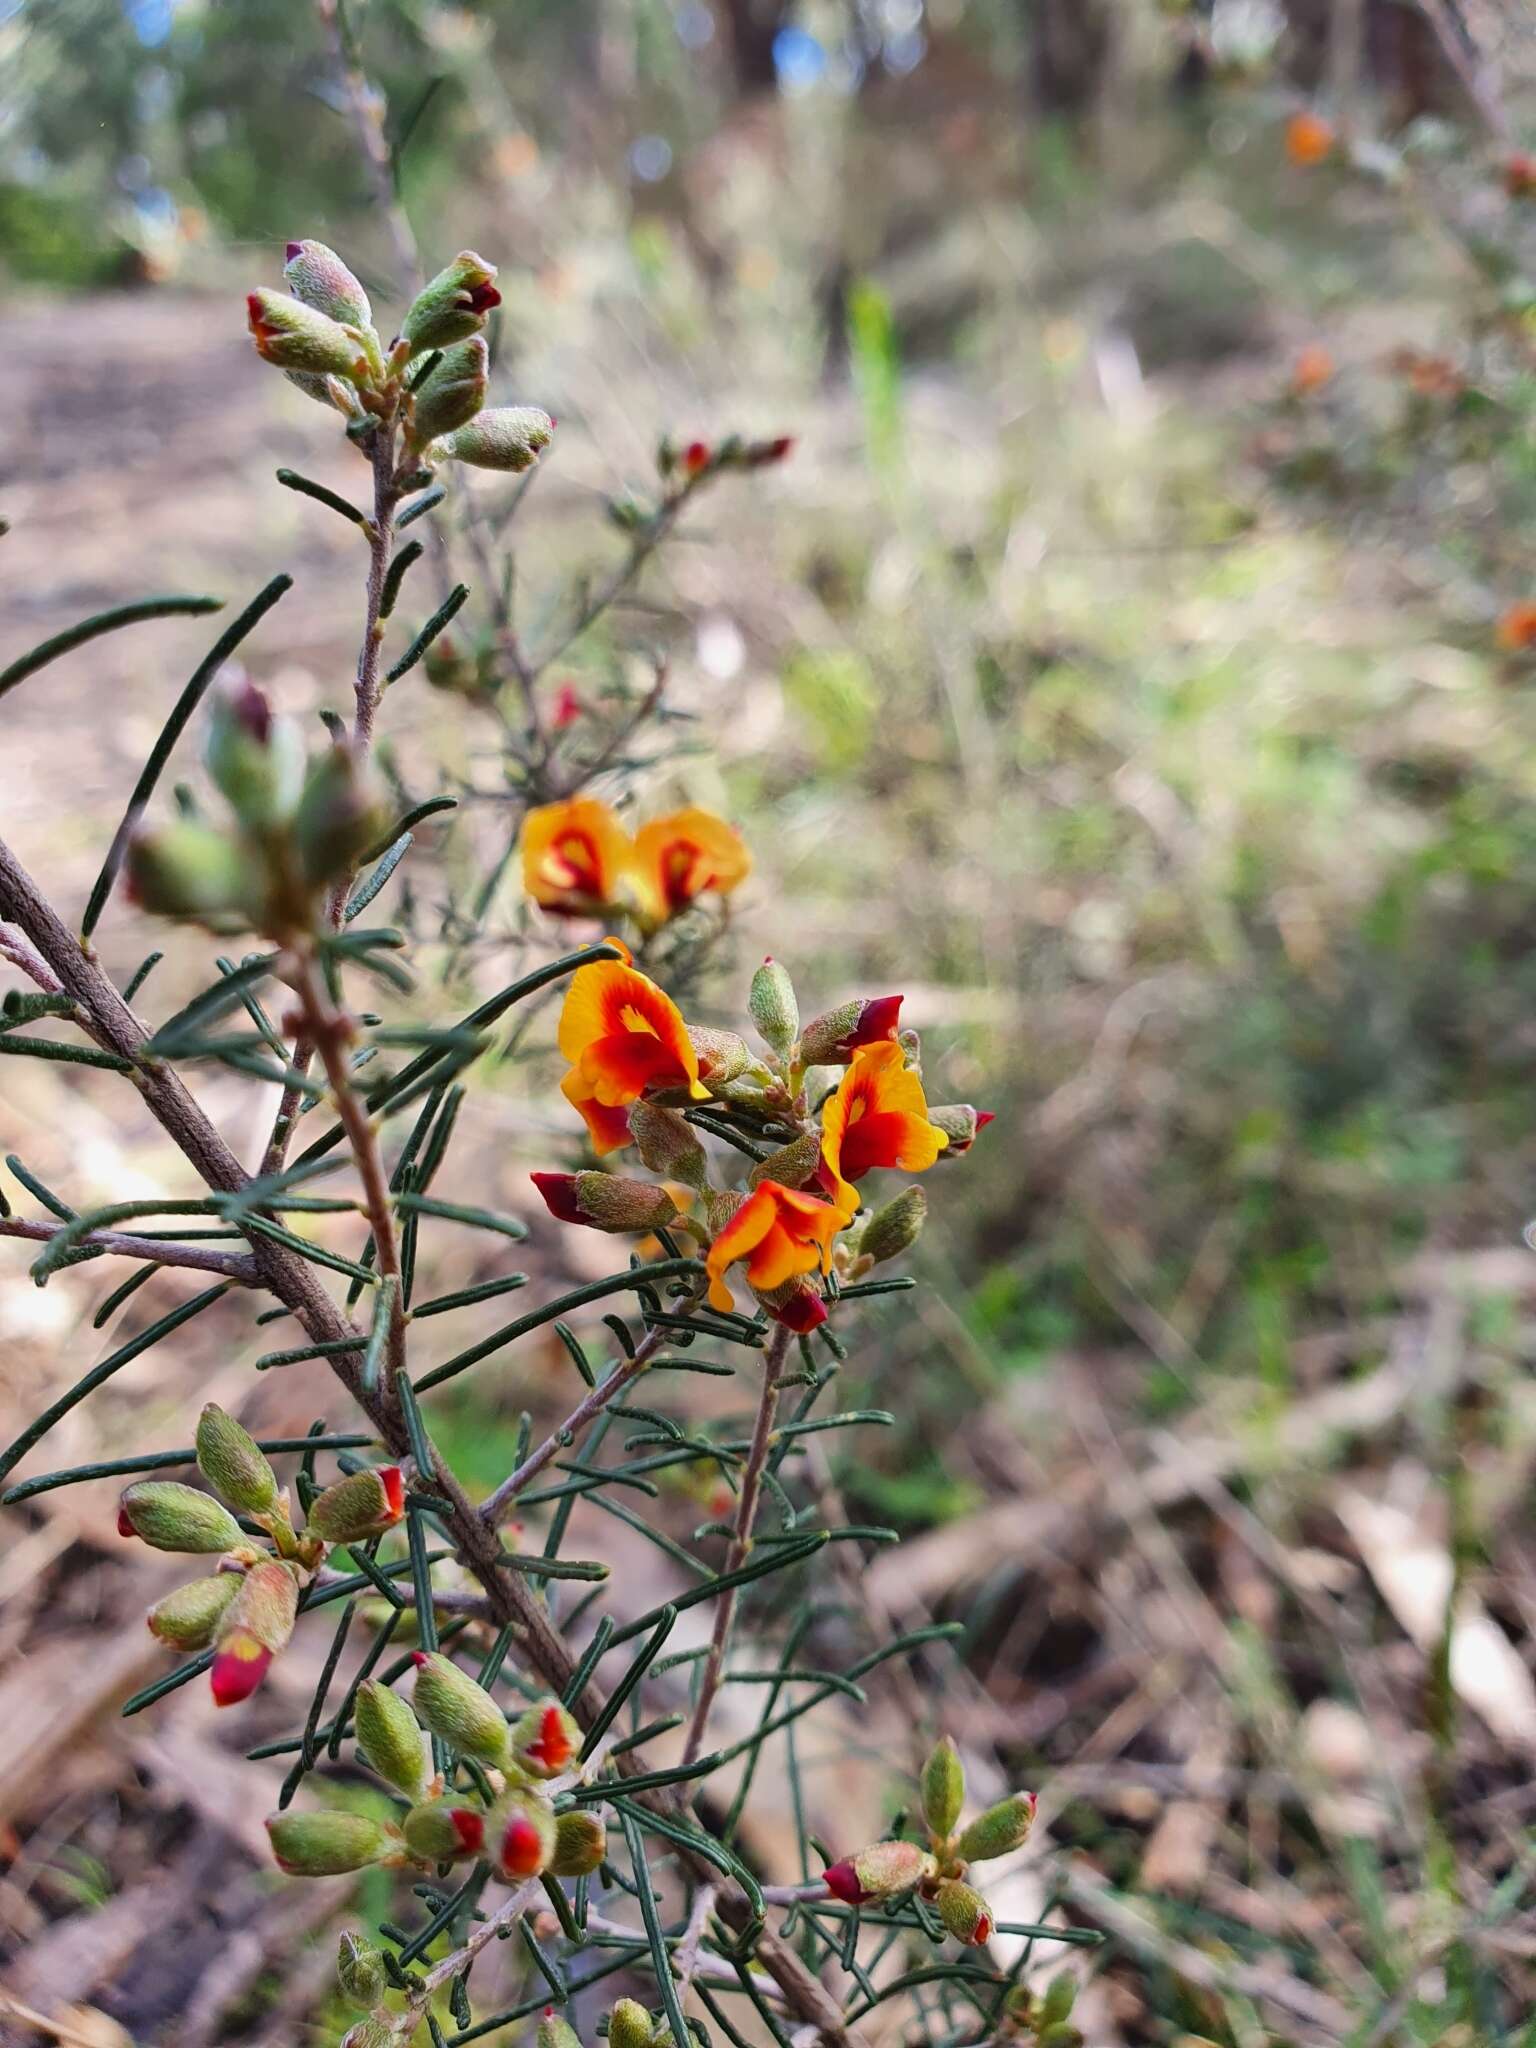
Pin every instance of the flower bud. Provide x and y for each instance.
(444, 1830)
(545, 1740)
(895, 1228)
(296, 337)
(771, 1000)
(798, 1307)
(878, 1872)
(191, 870)
(792, 1165)
(169, 1516)
(340, 815)
(318, 276)
(358, 1506)
(832, 1039)
(390, 1738)
(629, 2025)
(959, 1122)
(256, 760)
(256, 1625)
(581, 1843)
(463, 1713)
(606, 1201)
(1000, 1829)
(760, 454)
(1060, 1997)
(510, 437)
(555, 2032)
(188, 1618)
(667, 1144)
(522, 1833)
(453, 305)
(964, 1911)
(328, 1844)
(231, 1461)
(722, 1055)
(454, 392)
(359, 1971)
(460, 671)
(943, 1788)
(378, 2030)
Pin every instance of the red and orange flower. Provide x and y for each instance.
(624, 1038)
(576, 857)
(780, 1233)
(686, 854)
(877, 1117)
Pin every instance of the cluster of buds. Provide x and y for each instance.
(683, 467)
(431, 381)
(1043, 2019)
(516, 1829)
(940, 1873)
(296, 826)
(246, 1610)
(836, 1100)
(579, 860)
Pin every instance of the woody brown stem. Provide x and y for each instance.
(741, 1541)
(120, 1244)
(294, 1283)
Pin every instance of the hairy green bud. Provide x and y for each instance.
(943, 1788)
(340, 815)
(454, 392)
(188, 1618)
(895, 1228)
(545, 1740)
(581, 1843)
(190, 870)
(629, 2025)
(360, 1971)
(453, 305)
(444, 1830)
(318, 276)
(328, 1844)
(792, 1165)
(450, 1703)
(965, 1913)
(1000, 1829)
(667, 1144)
(233, 1464)
(521, 1834)
(256, 759)
(771, 1001)
(555, 2032)
(358, 1506)
(169, 1516)
(508, 437)
(294, 336)
(390, 1738)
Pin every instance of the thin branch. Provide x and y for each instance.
(741, 1542)
(596, 1400)
(161, 1252)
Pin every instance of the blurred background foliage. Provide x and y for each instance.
(1129, 665)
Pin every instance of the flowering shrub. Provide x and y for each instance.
(514, 1788)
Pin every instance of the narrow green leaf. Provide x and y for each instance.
(371, 883)
(486, 1290)
(459, 1212)
(411, 552)
(159, 1461)
(102, 622)
(410, 513)
(661, 1962)
(446, 612)
(642, 1663)
(69, 1055)
(307, 487)
(211, 1004)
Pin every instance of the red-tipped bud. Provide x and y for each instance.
(444, 1830)
(1520, 175)
(255, 1627)
(581, 1843)
(555, 2031)
(566, 709)
(294, 336)
(454, 305)
(359, 1506)
(695, 457)
(965, 1912)
(522, 1834)
(232, 1462)
(1000, 1830)
(960, 1123)
(390, 1738)
(452, 1705)
(545, 1740)
(879, 1872)
(454, 392)
(606, 1201)
(169, 1516)
(317, 275)
(833, 1038)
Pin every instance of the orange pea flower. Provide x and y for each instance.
(1309, 140)
(1516, 630)
(781, 1234)
(624, 1038)
(1312, 370)
(576, 856)
(878, 1117)
(685, 853)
